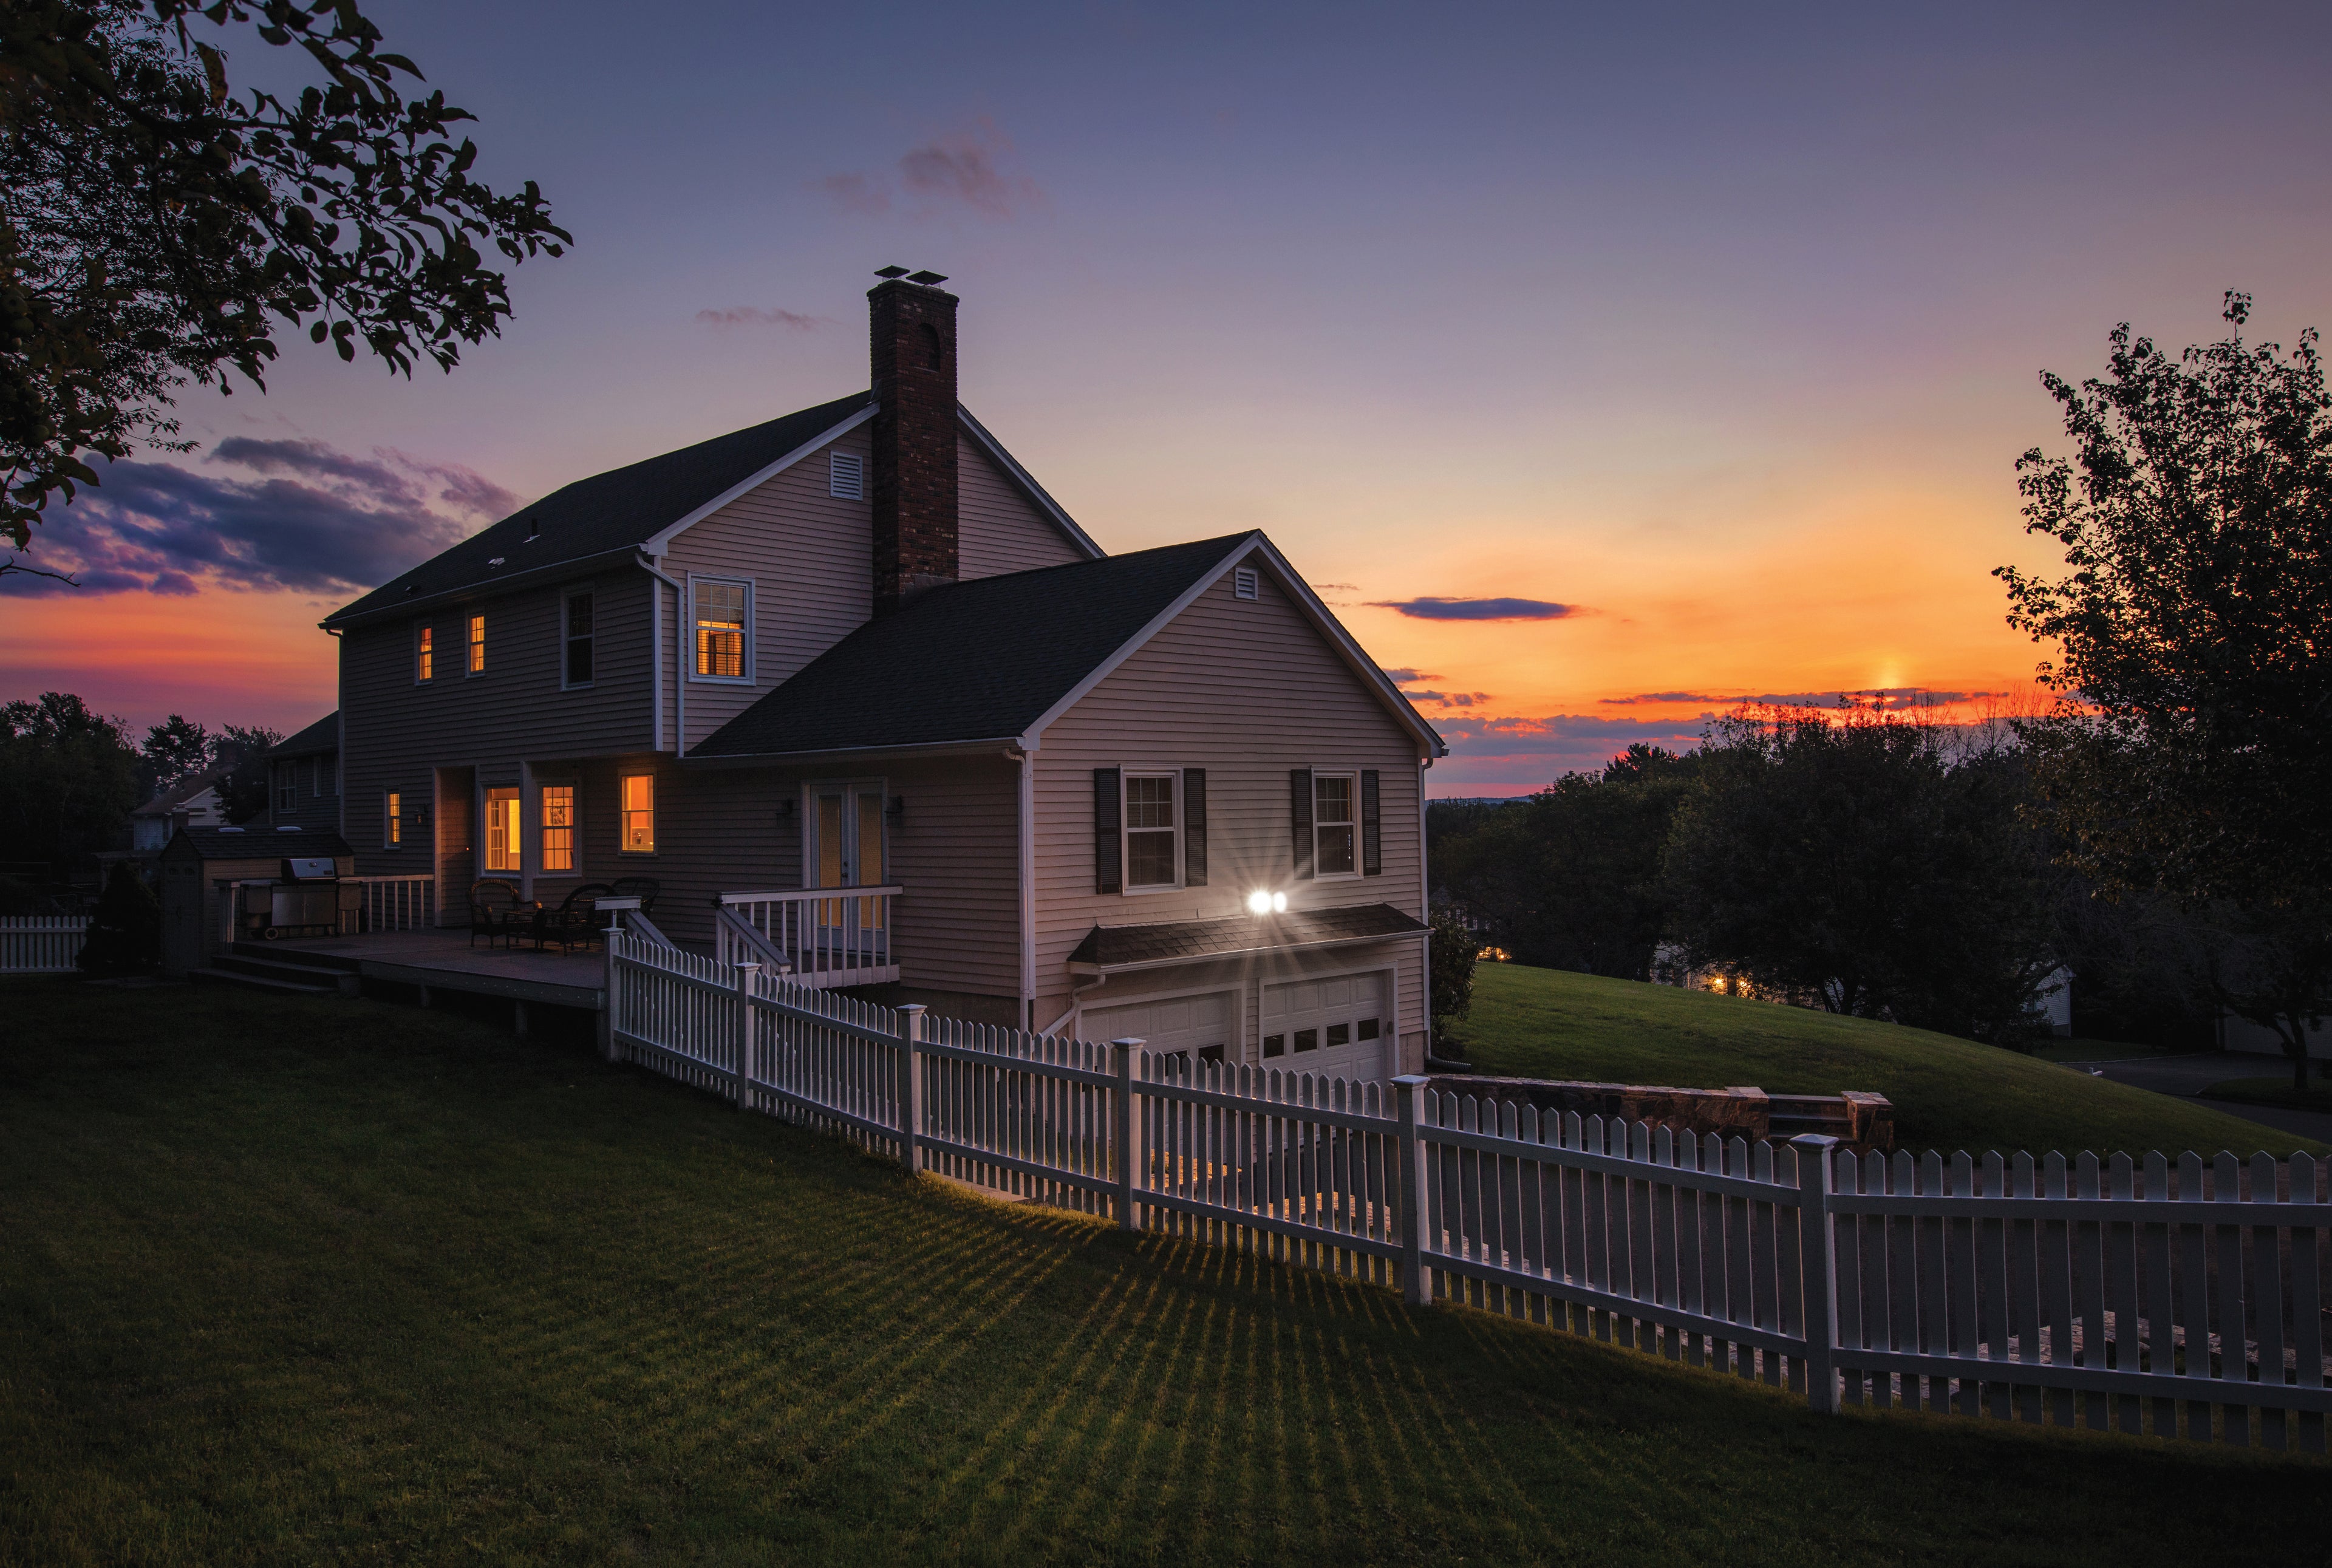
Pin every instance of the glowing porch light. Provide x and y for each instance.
(1261, 903)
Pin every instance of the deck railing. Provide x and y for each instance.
(41, 943)
(835, 936)
(396, 902)
(2180, 1298)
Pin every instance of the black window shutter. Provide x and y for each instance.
(1372, 836)
(1299, 801)
(1194, 827)
(1108, 875)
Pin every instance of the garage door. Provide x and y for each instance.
(1337, 1026)
(1200, 1027)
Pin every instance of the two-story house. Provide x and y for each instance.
(304, 777)
(1161, 794)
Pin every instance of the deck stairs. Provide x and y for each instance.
(285, 972)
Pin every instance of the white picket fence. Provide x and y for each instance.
(41, 943)
(2181, 1302)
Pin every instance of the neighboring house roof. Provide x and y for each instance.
(643, 504)
(261, 843)
(1115, 947)
(323, 735)
(998, 658)
(970, 661)
(179, 796)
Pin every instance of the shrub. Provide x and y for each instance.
(125, 934)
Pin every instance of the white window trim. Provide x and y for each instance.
(750, 660)
(565, 598)
(487, 803)
(542, 870)
(419, 628)
(1354, 775)
(1126, 774)
(473, 623)
(655, 811)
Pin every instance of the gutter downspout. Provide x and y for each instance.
(1425, 912)
(340, 751)
(1025, 755)
(1077, 994)
(679, 678)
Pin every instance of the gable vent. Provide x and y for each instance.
(1245, 584)
(846, 475)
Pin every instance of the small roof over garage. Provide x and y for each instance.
(1107, 948)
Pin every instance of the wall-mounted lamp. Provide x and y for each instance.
(897, 810)
(1261, 903)
(785, 812)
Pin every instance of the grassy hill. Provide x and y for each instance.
(333, 1281)
(1948, 1093)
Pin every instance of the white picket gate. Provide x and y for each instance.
(41, 943)
(2184, 1304)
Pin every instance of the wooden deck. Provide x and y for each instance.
(448, 961)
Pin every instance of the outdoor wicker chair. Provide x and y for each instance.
(576, 922)
(497, 911)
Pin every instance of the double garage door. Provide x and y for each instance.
(1336, 1026)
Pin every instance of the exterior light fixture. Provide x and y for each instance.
(1261, 903)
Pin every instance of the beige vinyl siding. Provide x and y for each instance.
(1249, 691)
(998, 529)
(810, 559)
(394, 732)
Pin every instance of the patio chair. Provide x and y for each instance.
(496, 910)
(644, 888)
(576, 923)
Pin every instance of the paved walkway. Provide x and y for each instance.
(2184, 1076)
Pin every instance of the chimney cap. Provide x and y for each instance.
(929, 280)
(887, 274)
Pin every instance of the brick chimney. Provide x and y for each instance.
(912, 330)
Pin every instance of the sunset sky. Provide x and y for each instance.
(1707, 336)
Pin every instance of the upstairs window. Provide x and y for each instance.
(639, 813)
(477, 645)
(1334, 830)
(722, 611)
(558, 828)
(1151, 860)
(287, 786)
(845, 476)
(392, 820)
(424, 659)
(578, 666)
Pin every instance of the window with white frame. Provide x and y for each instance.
(845, 476)
(424, 654)
(392, 820)
(638, 812)
(287, 786)
(502, 836)
(558, 828)
(477, 646)
(1153, 847)
(1336, 825)
(724, 612)
(575, 665)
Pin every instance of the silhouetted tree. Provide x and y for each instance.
(176, 749)
(68, 779)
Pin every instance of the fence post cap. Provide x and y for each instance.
(913, 1008)
(1131, 1042)
(1412, 1079)
(1814, 1141)
(749, 963)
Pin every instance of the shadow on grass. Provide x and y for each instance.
(308, 1280)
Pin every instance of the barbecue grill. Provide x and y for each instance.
(307, 898)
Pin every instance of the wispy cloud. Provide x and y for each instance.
(1449, 698)
(302, 515)
(1882, 697)
(1434, 607)
(760, 316)
(1403, 677)
(970, 169)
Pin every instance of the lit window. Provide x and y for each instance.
(1149, 830)
(639, 813)
(425, 657)
(558, 828)
(578, 639)
(477, 645)
(1333, 827)
(721, 630)
(392, 833)
(502, 838)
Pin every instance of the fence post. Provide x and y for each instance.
(1128, 1137)
(1415, 1285)
(1818, 1255)
(607, 991)
(744, 1076)
(910, 1086)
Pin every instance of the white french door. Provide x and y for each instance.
(846, 850)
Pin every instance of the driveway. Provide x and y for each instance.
(2183, 1075)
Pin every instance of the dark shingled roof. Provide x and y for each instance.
(323, 735)
(973, 661)
(609, 511)
(1110, 946)
(261, 843)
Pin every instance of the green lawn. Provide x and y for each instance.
(1948, 1093)
(299, 1281)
